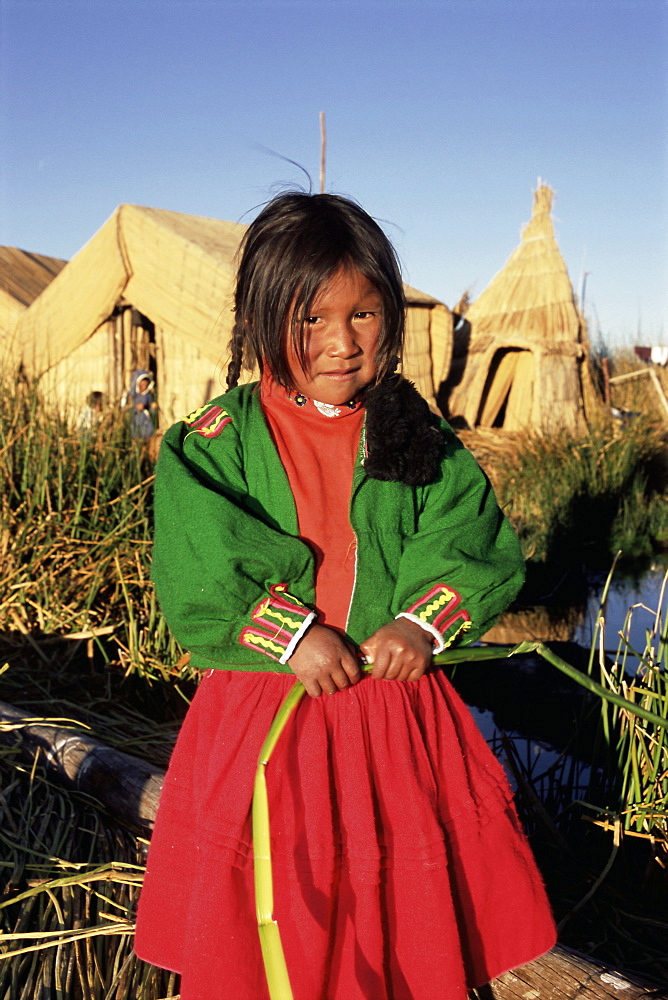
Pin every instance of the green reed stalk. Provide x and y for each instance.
(276, 972)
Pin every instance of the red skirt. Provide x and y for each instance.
(400, 869)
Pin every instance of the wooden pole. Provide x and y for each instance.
(654, 379)
(659, 390)
(323, 151)
(624, 378)
(606, 381)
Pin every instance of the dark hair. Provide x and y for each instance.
(296, 244)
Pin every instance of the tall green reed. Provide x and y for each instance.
(630, 788)
(75, 534)
(589, 495)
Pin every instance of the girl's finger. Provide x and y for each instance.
(352, 670)
(393, 671)
(335, 681)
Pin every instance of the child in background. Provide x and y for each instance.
(90, 416)
(141, 403)
(318, 517)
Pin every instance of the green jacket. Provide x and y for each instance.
(236, 583)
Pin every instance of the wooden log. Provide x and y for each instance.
(564, 974)
(128, 787)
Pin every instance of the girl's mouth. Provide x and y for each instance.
(342, 375)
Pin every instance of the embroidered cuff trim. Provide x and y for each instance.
(464, 627)
(437, 612)
(279, 621)
(296, 637)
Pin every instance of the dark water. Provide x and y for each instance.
(532, 702)
(543, 727)
(632, 606)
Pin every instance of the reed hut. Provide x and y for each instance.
(428, 345)
(23, 276)
(153, 290)
(526, 361)
(150, 290)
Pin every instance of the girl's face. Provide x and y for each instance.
(341, 337)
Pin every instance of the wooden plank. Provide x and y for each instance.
(564, 974)
(654, 379)
(624, 378)
(659, 390)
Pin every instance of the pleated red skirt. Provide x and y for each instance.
(400, 869)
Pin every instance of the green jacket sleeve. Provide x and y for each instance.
(231, 586)
(464, 564)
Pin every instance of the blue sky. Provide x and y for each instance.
(440, 117)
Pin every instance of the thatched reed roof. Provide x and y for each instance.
(178, 269)
(23, 276)
(531, 296)
(175, 268)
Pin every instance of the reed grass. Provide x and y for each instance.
(75, 536)
(588, 495)
(70, 880)
(633, 783)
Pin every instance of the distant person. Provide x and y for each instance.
(142, 406)
(90, 417)
(306, 525)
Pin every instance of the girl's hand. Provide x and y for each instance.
(399, 651)
(324, 662)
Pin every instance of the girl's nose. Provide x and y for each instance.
(343, 342)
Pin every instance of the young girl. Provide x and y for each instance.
(303, 523)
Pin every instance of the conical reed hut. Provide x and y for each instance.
(526, 364)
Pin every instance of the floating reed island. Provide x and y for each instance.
(86, 652)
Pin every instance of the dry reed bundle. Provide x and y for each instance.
(70, 880)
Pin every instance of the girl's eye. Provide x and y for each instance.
(367, 314)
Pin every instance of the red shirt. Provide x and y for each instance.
(318, 446)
